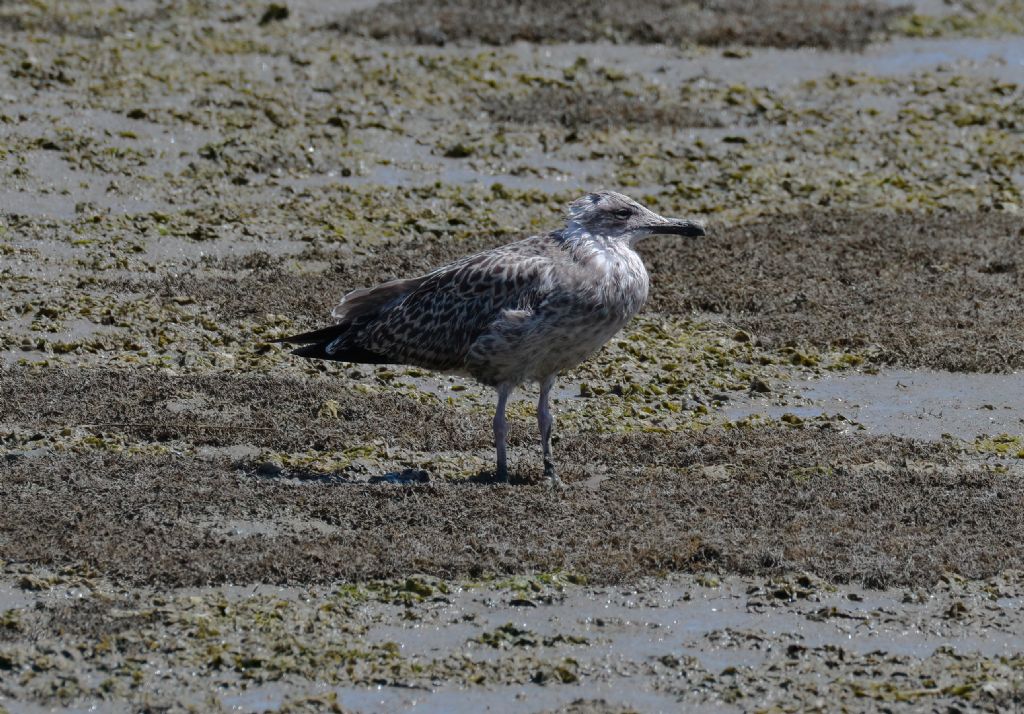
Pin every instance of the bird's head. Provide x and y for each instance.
(614, 216)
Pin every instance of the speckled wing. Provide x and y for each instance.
(435, 325)
(432, 321)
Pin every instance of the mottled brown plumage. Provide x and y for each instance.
(521, 312)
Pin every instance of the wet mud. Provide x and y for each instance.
(938, 291)
(846, 25)
(844, 507)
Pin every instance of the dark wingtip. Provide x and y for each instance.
(324, 334)
(350, 353)
(315, 351)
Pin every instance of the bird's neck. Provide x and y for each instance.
(611, 261)
(581, 241)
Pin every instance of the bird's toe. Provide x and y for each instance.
(551, 476)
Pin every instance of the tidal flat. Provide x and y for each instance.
(794, 483)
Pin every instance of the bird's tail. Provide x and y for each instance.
(316, 343)
(329, 334)
(356, 310)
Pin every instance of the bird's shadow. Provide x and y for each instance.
(489, 478)
(405, 477)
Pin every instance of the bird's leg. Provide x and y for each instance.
(545, 420)
(501, 432)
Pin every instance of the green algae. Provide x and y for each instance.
(976, 19)
(1010, 445)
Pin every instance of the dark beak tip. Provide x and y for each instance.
(689, 229)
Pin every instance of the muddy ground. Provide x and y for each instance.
(789, 486)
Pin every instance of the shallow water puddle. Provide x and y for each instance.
(721, 626)
(921, 404)
(511, 699)
(12, 597)
(990, 57)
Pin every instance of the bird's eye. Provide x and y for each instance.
(623, 213)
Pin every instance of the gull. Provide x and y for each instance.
(522, 312)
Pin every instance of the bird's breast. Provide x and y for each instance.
(583, 304)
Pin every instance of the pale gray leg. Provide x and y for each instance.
(501, 432)
(545, 420)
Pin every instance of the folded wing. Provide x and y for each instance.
(430, 321)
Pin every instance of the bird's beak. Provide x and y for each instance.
(679, 227)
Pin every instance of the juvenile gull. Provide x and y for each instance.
(522, 312)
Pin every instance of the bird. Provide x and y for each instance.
(518, 313)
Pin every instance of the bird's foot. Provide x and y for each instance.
(501, 476)
(551, 476)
